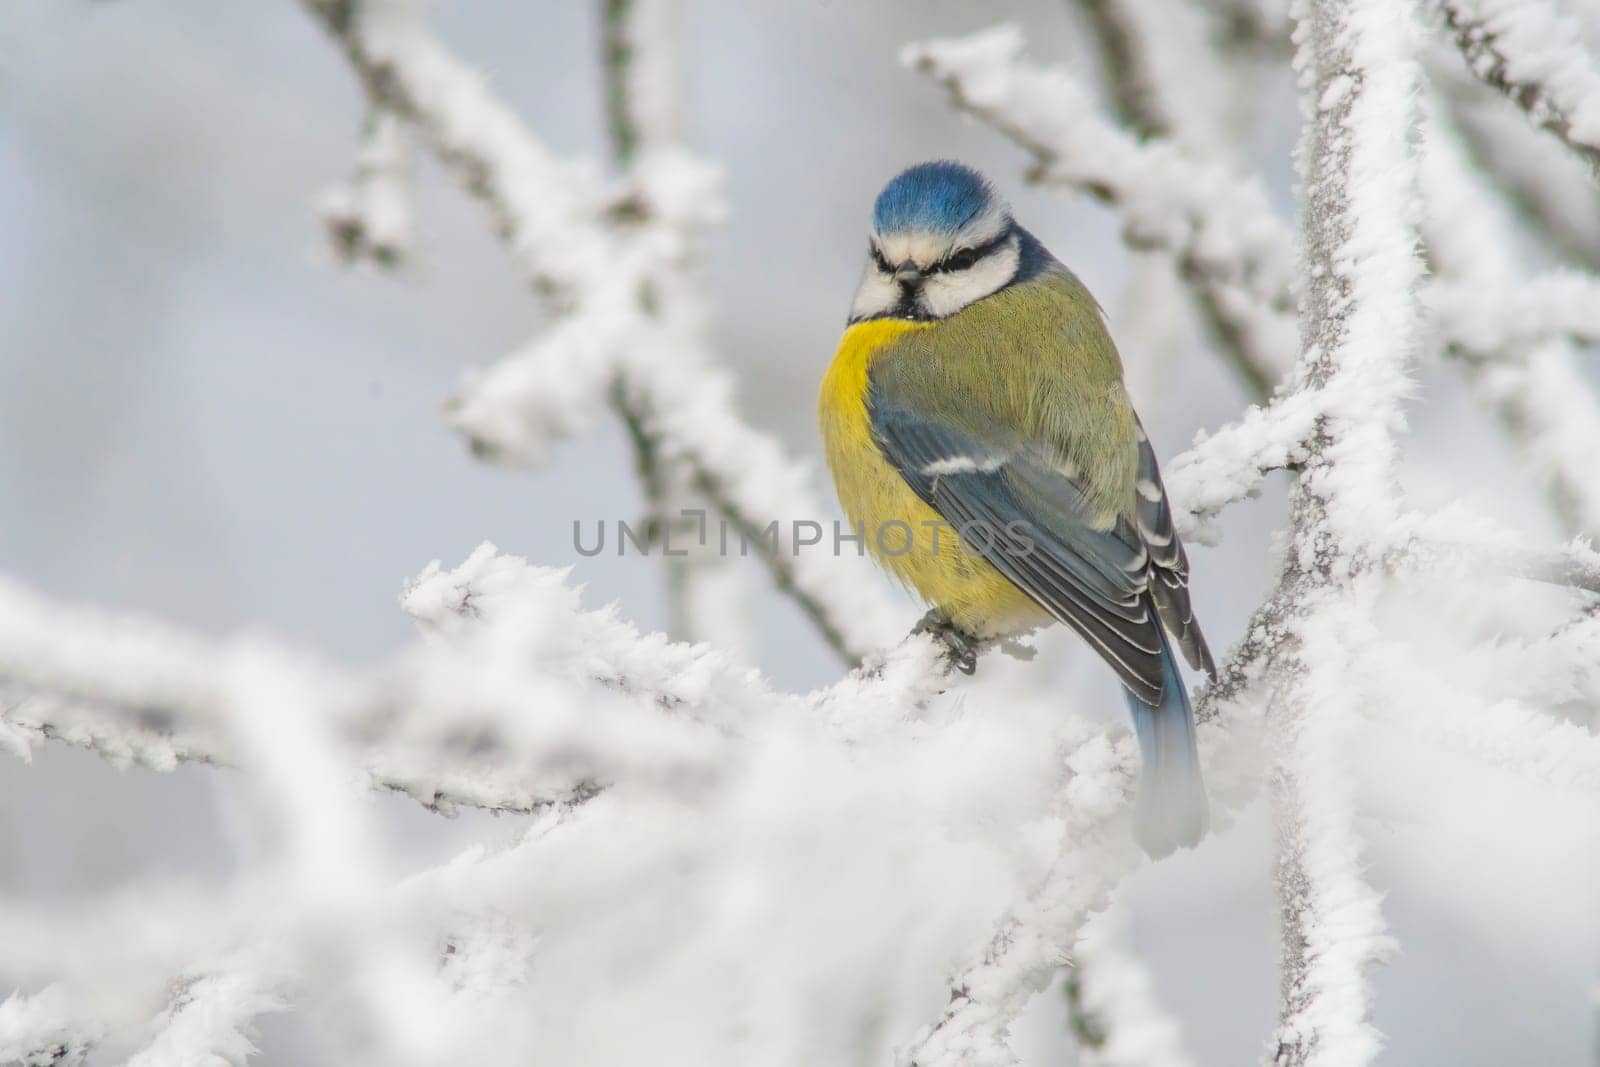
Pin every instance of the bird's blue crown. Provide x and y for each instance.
(941, 197)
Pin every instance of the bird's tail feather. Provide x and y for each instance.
(1171, 811)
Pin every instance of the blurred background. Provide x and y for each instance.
(204, 417)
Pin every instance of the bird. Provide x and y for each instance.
(984, 448)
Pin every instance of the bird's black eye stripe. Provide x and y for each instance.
(877, 258)
(969, 256)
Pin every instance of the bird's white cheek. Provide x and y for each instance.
(946, 294)
(877, 295)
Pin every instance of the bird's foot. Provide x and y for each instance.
(960, 647)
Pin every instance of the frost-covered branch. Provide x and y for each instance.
(513, 679)
(702, 864)
(1547, 185)
(1515, 316)
(1113, 988)
(1036, 935)
(1231, 464)
(1220, 229)
(1223, 228)
(1166, 76)
(602, 254)
(1526, 372)
(644, 86)
(370, 216)
(1334, 430)
(447, 722)
(44, 1029)
(1357, 79)
(1530, 53)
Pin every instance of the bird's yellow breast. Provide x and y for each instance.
(905, 534)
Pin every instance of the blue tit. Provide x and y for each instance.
(977, 428)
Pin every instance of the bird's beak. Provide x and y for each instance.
(907, 274)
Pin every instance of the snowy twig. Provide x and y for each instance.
(1576, 566)
(370, 216)
(1532, 55)
(1545, 183)
(1513, 316)
(1119, 1020)
(643, 90)
(45, 1030)
(1231, 464)
(1220, 229)
(209, 1019)
(1165, 75)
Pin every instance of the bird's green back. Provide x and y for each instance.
(1030, 367)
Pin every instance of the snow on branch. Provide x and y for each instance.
(607, 255)
(1219, 227)
(371, 215)
(1550, 187)
(1508, 735)
(1222, 227)
(447, 722)
(1525, 371)
(1035, 937)
(1114, 989)
(1534, 56)
(1231, 464)
(43, 1030)
(706, 775)
(1519, 315)
(1360, 323)
(1165, 78)
(703, 847)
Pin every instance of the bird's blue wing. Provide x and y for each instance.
(1023, 511)
(1169, 564)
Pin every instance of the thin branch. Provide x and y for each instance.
(1166, 76)
(1512, 316)
(1528, 52)
(371, 215)
(1116, 1014)
(635, 133)
(1543, 183)
(1232, 464)
(1575, 566)
(616, 53)
(1257, 26)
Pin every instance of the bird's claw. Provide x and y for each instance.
(960, 647)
